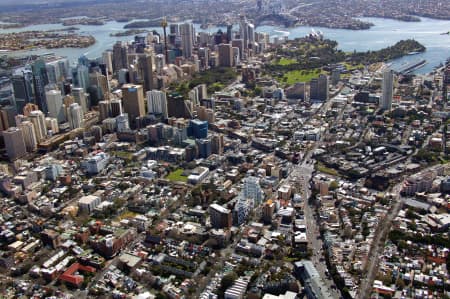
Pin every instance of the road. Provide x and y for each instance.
(301, 176)
(377, 246)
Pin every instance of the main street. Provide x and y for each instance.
(301, 176)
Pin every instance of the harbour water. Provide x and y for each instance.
(386, 32)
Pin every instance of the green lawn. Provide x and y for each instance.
(293, 77)
(322, 168)
(286, 61)
(123, 154)
(177, 176)
(351, 67)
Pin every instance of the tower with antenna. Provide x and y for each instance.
(164, 26)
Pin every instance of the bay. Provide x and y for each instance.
(386, 32)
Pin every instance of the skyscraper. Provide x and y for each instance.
(253, 190)
(55, 105)
(225, 55)
(122, 122)
(75, 116)
(14, 143)
(133, 101)
(37, 117)
(217, 144)
(177, 106)
(247, 33)
(318, 88)
(187, 39)
(323, 87)
(119, 59)
(104, 108)
(29, 135)
(388, 90)
(157, 103)
(198, 128)
(145, 70)
(79, 96)
(40, 79)
(22, 83)
(116, 107)
(81, 76)
(204, 148)
(220, 217)
(108, 60)
(160, 62)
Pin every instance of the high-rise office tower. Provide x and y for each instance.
(203, 55)
(225, 55)
(217, 144)
(22, 82)
(57, 70)
(116, 107)
(178, 107)
(40, 79)
(174, 29)
(388, 90)
(133, 101)
(55, 105)
(157, 103)
(236, 56)
(145, 70)
(37, 117)
(319, 88)
(220, 217)
(100, 82)
(52, 72)
(29, 135)
(323, 87)
(229, 33)
(238, 43)
(67, 101)
(253, 190)
(79, 96)
(122, 123)
(75, 116)
(187, 39)
(107, 59)
(160, 62)
(251, 36)
(8, 114)
(28, 108)
(198, 128)
(104, 108)
(14, 143)
(204, 148)
(80, 76)
(51, 124)
(19, 118)
(247, 33)
(119, 59)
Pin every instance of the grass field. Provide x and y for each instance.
(122, 154)
(293, 77)
(177, 176)
(350, 67)
(322, 168)
(286, 61)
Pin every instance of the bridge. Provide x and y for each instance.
(284, 19)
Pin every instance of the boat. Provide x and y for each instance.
(413, 53)
(412, 66)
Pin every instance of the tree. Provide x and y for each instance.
(333, 185)
(227, 281)
(400, 284)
